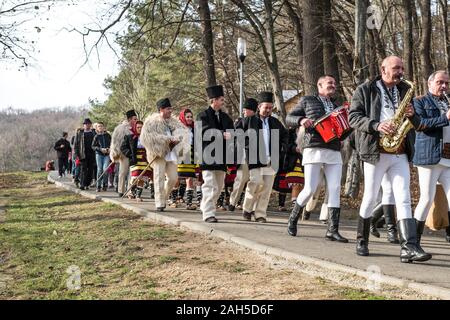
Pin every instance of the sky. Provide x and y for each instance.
(55, 79)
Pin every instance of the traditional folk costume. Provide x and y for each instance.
(158, 136)
(188, 169)
(432, 156)
(213, 172)
(317, 155)
(85, 155)
(133, 149)
(262, 165)
(116, 154)
(373, 103)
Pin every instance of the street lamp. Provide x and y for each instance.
(241, 53)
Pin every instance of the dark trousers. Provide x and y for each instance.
(87, 170)
(62, 165)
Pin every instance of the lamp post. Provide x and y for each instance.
(241, 53)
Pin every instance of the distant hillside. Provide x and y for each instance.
(27, 138)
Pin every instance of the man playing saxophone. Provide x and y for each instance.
(375, 111)
(432, 156)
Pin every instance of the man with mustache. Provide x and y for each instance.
(432, 156)
(373, 107)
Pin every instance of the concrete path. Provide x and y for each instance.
(309, 247)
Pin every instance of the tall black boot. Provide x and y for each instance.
(391, 225)
(362, 236)
(410, 251)
(293, 219)
(420, 225)
(181, 192)
(333, 226)
(376, 215)
(447, 230)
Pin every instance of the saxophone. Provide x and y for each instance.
(391, 142)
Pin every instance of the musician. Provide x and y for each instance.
(242, 175)
(373, 107)
(165, 139)
(432, 156)
(317, 154)
(116, 155)
(213, 121)
(261, 164)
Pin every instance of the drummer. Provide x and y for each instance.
(318, 154)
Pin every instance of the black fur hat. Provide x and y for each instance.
(251, 104)
(214, 91)
(265, 96)
(163, 103)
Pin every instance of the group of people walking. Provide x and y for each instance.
(180, 157)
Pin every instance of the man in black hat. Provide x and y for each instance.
(242, 175)
(213, 121)
(62, 147)
(116, 154)
(165, 140)
(271, 139)
(85, 153)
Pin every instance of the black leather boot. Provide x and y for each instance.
(420, 225)
(293, 219)
(391, 226)
(447, 230)
(333, 226)
(410, 251)
(362, 236)
(376, 215)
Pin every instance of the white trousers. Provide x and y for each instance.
(396, 168)
(387, 192)
(124, 168)
(163, 186)
(213, 181)
(428, 177)
(242, 177)
(333, 173)
(257, 193)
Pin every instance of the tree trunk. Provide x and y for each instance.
(330, 58)
(207, 42)
(425, 43)
(312, 44)
(408, 50)
(359, 61)
(444, 17)
(273, 65)
(294, 16)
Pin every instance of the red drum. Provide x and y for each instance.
(333, 125)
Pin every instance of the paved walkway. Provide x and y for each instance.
(310, 247)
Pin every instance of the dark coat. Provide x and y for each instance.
(291, 155)
(129, 148)
(428, 143)
(101, 141)
(256, 124)
(62, 152)
(311, 107)
(83, 144)
(209, 121)
(364, 117)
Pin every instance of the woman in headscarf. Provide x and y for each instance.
(135, 151)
